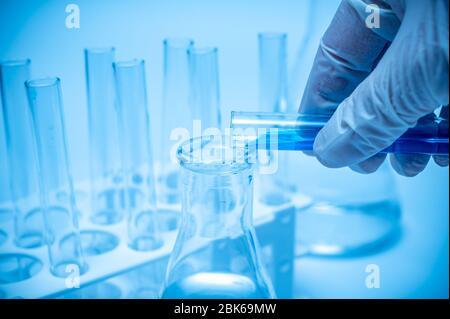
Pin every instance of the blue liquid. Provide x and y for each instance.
(209, 285)
(303, 140)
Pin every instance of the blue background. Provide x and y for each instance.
(417, 267)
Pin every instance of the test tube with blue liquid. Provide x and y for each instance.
(296, 132)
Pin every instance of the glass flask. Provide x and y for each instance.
(271, 186)
(216, 254)
(349, 213)
(23, 175)
(176, 119)
(204, 100)
(57, 200)
(139, 195)
(103, 135)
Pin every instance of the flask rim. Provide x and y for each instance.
(214, 155)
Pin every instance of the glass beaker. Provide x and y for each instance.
(106, 183)
(176, 119)
(23, 175)
(57, 200)
(139, 195)
(216, 254)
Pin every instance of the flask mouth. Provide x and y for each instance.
(214, 154)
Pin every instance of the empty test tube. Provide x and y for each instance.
(57, 199)
(272, 189)
(106, 184)
(272, 72)
(137, 162)
(5, 194)
(286, 132)
(204, 87)
(176, 119)
(28, 222)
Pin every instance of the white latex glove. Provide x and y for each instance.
(377, 83)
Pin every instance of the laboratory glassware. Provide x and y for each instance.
(313, 28)
(216, 254)
(106, 183)
(204, 100)
(57, 200)
(293, 131)
(6, 207)
(271, 185)
(272, 72)
(21, 159)
(176, 119)
(139, 194)
(347, 213)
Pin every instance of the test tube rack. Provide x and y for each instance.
(116, 271)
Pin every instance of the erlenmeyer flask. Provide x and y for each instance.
(104, 153)
(23, 175)
(57, 200)
(216, 254)
(139, 194)
(176, 119)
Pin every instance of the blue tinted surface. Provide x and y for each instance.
(416, 267)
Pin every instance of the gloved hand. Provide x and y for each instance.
(378, 82)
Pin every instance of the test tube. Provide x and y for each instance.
(57, 198)
(296, 132)
(5, 192)
(298, 73)
(272, 72)
(21, 159)
(204, 87)
(103, 135)
(272, 185)
(176, 119)
(137, 162)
